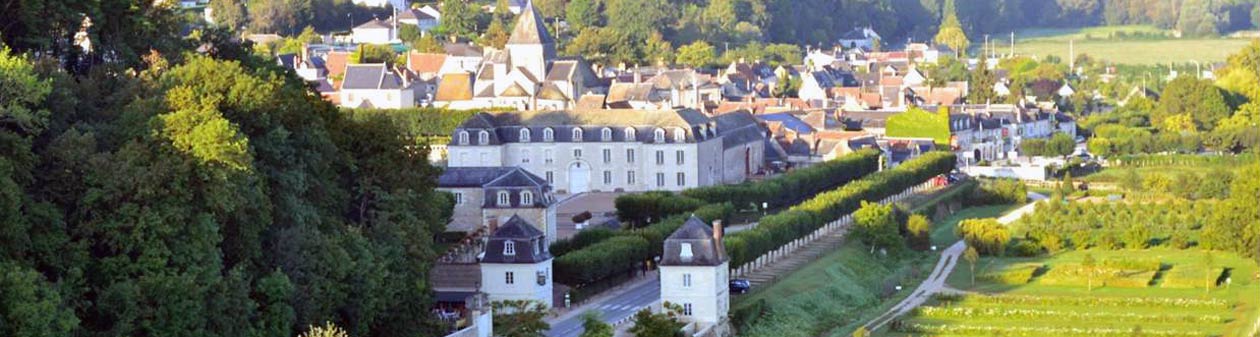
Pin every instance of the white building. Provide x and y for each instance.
(488, 196)
(864, 38)
(517, 265)
(694, 273)
(375, 86)
(615, 150)
(375, 31)
(425, 18)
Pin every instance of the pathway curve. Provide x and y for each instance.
(935, 282)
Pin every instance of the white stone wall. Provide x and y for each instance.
(384, 99)
(525, 282)
(707, 293)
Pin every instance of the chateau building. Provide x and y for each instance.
(614, 150)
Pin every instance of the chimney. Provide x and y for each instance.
(717, 231)
(638, 76)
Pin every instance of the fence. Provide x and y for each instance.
(840, 224)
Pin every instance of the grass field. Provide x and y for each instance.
(1104, 43)
(1167, 299)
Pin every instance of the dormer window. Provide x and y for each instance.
(537, 247)
(605, 135)
(483, 138)
(504, 198)
(509, 247)
(463, 138)
(527, 198)
(680, 135)
(684, 252)
(524, 135)
(630, 136)
(577, 134)
(549, 135)
(658, 136)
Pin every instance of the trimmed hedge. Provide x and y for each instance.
(626, 249)
(641, 208)
(806, 217)
(581, 239)
(792, 187)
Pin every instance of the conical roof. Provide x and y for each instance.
(530, 28)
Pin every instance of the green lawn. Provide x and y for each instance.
(1103, 43)
(1117, 174)
(1034, 308)
(1103, 32)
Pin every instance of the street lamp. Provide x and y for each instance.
(764, 207)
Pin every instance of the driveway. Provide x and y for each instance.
(600, 204)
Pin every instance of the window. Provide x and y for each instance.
(630, 156)
(607, 156)
(527, 198)
(509, 278)
(679, 135)
(687, 309)
(605, 135)
(679, 156)
(607, 177)
(660, 179)
(684, 252)
(630, 177)
(483, 138)
(550, 177)
(682, 179)
(577, 153)
(577, 134)
(524, 135)
(630, 135)
(459, 198)
(463, 138)
(660, 157)
(658, 136)
(687, 280)
(509, 247)
(504, 199)
(549, 135)
(548, 157)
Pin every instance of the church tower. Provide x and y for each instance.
(530, 46)
(694, 270)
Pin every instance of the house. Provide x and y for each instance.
(860, 38)
(375, 86)
(308, 68)
(517, 264)
(380, 3)
(694, 274)
(375, 31)
(487, 196)
(423, 18)
(427, 68)
(1066, 90)
(527, 75)
(461, 57)
(614, 149)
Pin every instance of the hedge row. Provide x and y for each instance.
(642, 208)
(580, 240)
(800, 220)
(792, 187)
(623, 251)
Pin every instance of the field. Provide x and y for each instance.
(1157, 291)
(1102, 42)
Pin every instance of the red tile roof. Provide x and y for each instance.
(425, 63)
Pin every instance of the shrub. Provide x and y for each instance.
(642, 208)
(1024, 248)
(601, 260)
(793, 186)
(998, 192)
(1012, 275)
(987, 235)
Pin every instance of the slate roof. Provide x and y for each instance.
(370, 76)
(374, 24)
(462, 50)
(528, 242)
(865, 119)
(704, 250)
(739, 128)
(529, 28)
(789, 121)
(506, 126)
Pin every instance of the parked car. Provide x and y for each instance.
(740, 286)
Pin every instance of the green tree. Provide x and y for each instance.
(875, 225)
(285, 17)
(581, 14)
(981, 84)
(1061, 145)
(664, 324)
(1197, 98)
(408, 32)
(1068, 186)
(1033, 147)
(593, 326)
(230, 14)
(21, 91)
(327, 330)
(951, 32)
(919, 229)
(373, 53)
(698, 54)
(427, 44)
(31, 306)
(518, 318)
(1209, 271)
(458, 19)
(1090, 266)
(496, 35)
(971, 256)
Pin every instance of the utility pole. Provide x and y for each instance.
(1012, 44)
(1072, 55)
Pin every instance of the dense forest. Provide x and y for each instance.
(166, 185)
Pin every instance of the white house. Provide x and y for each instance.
(376, 31)
(517, 264)
(424, 18)
(862, 37)
(614, 149)
(1066, 90)
(694, 273)
(375, 86)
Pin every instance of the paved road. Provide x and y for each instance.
(612, 310)
(936, 281)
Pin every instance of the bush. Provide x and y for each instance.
(987, 235)
(793, 186)
(1024, 248)
(601, 260)
(998, 192)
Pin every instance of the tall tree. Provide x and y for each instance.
(581, 14)
(230, 14)
(951, 32)
(698, 54)
(518, 318)
(1198, 98)
(458, 19)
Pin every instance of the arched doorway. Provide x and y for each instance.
(579, 177)
(978, 156)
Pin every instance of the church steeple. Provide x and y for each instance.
(530, 46)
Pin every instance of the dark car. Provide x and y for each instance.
(740, 286)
